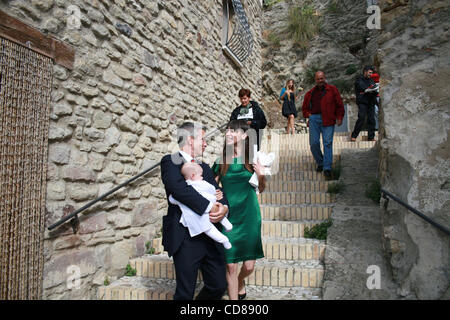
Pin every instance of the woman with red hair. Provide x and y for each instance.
(251, 112)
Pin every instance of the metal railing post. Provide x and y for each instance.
(415, 211)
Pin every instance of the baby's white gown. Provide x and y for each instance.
(194, 222)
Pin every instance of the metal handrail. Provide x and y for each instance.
(74, 215)
(415, 211)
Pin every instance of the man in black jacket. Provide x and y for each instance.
(192, 253)
(366, 93)
(252, 113)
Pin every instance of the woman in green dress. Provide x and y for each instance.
(234, 170)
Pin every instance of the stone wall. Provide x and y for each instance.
(142, 67)
(413, 54)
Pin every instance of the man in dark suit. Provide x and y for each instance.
(200, 252)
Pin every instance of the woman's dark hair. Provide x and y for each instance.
(244, 92)
(228, 151)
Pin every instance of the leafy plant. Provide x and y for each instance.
(344, 86)
(273, 39)
(351, 69)
(269, 3)
(106, 282)
(336, 171)
(149, 249)
(130, 272)
(310, 72)
(373, 190)
(333, 7)
(336, 187)
(318, 231)
(303, 24)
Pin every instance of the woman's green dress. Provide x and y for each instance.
(244, 213)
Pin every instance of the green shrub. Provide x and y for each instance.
(351, 69)
(310, 73)
(318, 231)
(273, 39)
(344, 86)
(149, 249)
(106, 282)
(336, 187)
(130, 272)
(333, 7)
(303, 24)
(269, 3)
(373, 190)
(336, 172)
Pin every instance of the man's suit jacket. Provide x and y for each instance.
(175, 184)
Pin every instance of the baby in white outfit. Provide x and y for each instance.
(193, 173)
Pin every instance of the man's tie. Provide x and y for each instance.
(193, 160)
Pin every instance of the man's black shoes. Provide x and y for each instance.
(319, 169)
(327, 174)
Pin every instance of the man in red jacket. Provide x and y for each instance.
(324, 107)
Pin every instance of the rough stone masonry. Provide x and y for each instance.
(141, 68)
(413, 55)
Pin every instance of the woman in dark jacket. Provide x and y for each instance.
(251, 112)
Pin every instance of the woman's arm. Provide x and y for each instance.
(261, 183)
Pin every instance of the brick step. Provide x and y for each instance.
(297, 166)
(282, 273)
(303, 146)
(293, 248)
(280, 248)
(296, 186)
(297, 176)
(302, 159)
(286, 229)
(282, 132)
(361, 134)
(295, 213)
(140, 288)
(287, 198)
(301, 151)
(285, 139)
(287, 273)
(338, 136)
(281, 293)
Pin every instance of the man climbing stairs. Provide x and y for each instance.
(296, 197)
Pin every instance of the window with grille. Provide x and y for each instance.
(237, 40)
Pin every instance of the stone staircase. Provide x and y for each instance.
(293, 268)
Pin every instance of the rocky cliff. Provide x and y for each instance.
(411, 51)
(341, 47)
(414, 55)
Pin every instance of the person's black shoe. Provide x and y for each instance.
(319, 169)
(242, 296)
(327, 174)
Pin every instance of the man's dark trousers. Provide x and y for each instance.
(191, 254)
(204, 254)
(363, 111)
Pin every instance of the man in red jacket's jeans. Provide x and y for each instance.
(324, 107)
